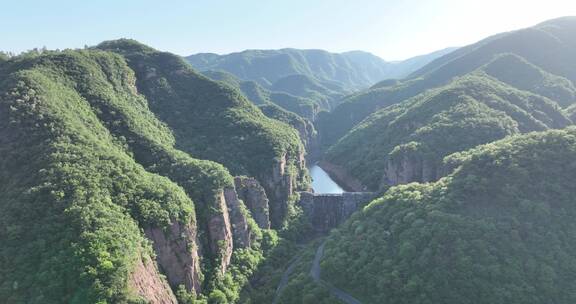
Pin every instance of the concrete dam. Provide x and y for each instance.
(327, 211)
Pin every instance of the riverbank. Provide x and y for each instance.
(341, 177)
(322, 182)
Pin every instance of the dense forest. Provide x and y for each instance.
(409, 140)
(315, 75)
(101, 176)
(479, 93)
(132, 175)
(498, 229)
(470, 210)
(549, 46)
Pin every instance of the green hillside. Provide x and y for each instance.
(130, 175)
(212, 121)
(545, 49)
(305, 128)
(74, 197)
(407, 142)
(96, 166)
(351, 70)
(326, 95)
(199, 111)
(304, 81)
(304, 107)
(355, 70)
(498, 229)
(275, 105)
(521, 74)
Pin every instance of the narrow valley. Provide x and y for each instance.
(261, 152)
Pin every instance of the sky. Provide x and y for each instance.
(391, 29)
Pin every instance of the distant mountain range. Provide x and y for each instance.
(352, 70)
(304, 82)
(316, 74)
(506, 84)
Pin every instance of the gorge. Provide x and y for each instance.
(135, 176)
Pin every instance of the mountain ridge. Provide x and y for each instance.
(535, 45)
(339, 67)
(127, 212)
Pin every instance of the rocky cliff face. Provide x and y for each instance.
(255, 199)
(409, 167)
(310, 113)
(177, 247)
(177, 254)
(147, 282)
(241, 231)
(280, 186)
(311, 141)
(327, 211)
(220, 233)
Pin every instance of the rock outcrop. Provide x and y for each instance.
(280, 186)
(309, 137)
(254, 197)
(177, 254)
(242, 235)
(405, 166)
(146, 281)
(220, 233)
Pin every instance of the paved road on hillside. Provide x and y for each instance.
(285, 277)
(315, 273)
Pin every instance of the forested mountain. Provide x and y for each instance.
(316, 74)
(305, 107)
(126, 176)
(352, 70)
(118, 158)
(497, 229)
(402, 69)
(296, 111)
(548, 46)
(406, 142)
(509, 83)
(325, 94)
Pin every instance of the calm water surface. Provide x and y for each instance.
(322, 183)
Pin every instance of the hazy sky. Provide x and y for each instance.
(392, 29)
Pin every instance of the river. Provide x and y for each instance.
(322, 182)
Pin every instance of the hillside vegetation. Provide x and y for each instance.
(304, 107)
(498, 229)
(399, 131)
(294, 111)
(354, 70)
(126, 176)
(351, 70)
(209, 120)
(407, 142)
(544, 62)
(316, 75)
(100, 190)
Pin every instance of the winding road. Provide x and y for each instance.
(315, 273)
(285, 277)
